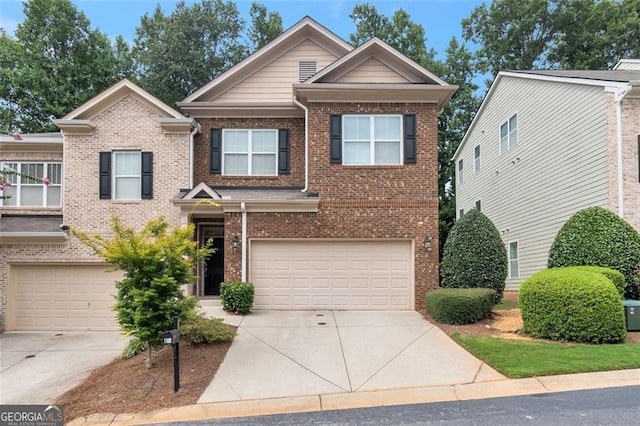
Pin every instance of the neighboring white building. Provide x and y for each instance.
(546, 144)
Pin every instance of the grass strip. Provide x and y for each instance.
(518, 358)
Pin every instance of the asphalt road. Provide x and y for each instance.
(612, 406)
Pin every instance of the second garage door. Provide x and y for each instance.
(62, 297)
(329, 274)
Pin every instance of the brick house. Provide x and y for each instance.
(311, 164)
(546, 144)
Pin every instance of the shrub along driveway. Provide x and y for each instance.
(293, 353)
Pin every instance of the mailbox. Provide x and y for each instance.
(171, 337)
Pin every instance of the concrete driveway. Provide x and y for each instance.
(37, 367)
(295, 353)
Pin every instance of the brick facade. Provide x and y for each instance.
(129, 124)
(356, 202)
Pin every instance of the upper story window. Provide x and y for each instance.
(26, 192)
(129, 173)
(509, 134)
(476, 159)
(250, 152)
(372, 139)
(460, 171)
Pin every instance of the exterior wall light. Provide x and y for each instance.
(235, 242)
(427, 242)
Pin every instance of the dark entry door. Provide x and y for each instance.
(214, 269)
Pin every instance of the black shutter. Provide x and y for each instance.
(147, 176)
(283, 151)
(335, 138)
(215, 156)
(409, 138)
(105, 175)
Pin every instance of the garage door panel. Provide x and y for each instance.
(62, 297)
(340, 275)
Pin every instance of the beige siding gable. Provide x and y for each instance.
(372, 71)
(273, 83)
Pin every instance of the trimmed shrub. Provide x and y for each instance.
(474, 255)
(572, 304)
(616, 277)
(237, 297)
(460, 305)
(200, 330)
(596, 236)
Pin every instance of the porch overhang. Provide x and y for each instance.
(207, 206)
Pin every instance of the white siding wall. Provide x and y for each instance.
(558, 167)
(372, 71)
(273, 82)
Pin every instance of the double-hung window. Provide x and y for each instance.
(509, 134)
(23, 191)
(372, 139)
(476, 159)
(127, 175)
(460, 171)
(250, 152)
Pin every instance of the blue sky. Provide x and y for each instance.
(440, 18)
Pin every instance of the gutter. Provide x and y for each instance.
(619, 95)
(53, 234)
(195, 131)
(243, 208)
(306, 144)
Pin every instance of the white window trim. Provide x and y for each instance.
(372, 139)
(475, 205)
(114, 176)
(249, 152)
(17, 184)
(517, 259)
(460, 170)
(460, 213)
(509, 132)
(476, 160)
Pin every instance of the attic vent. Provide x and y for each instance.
(306, 69)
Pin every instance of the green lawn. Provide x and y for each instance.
(506, 304)
(518, 358)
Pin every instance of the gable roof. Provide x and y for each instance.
(306, 28)
(113, 94)
(604, 78)
(382, 51)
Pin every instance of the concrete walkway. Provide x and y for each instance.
(296, 353)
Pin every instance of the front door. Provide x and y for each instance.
(214, 264)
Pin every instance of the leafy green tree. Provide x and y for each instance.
(265, 26)
(474, 255)
(453, 122)
(55, 63)
(156, 261)
(542, 34)
(596, 236)
(181, 52)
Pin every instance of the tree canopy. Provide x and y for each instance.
(55, 63)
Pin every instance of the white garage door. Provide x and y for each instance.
(332, 274)
(70, 297)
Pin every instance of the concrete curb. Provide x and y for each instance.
(336, 401)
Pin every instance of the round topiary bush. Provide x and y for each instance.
(572, 304)
(596, 236)
(474, 255)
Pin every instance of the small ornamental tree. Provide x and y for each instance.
(156, 261)
(596, 236)
(474, 255)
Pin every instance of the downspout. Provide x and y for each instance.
(195, 131)
(619, 96)
(243, 209)
(306, 143)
